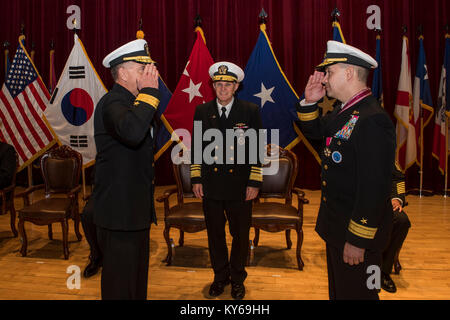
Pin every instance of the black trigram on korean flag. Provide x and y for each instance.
(77, 72)
(79, 141)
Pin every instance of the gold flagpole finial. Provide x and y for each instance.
(140, 34)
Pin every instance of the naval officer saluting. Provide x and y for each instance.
(358, 151)
(123, 190)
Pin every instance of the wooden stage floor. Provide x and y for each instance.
(425, 258)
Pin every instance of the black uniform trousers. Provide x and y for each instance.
(346, 282)
(90, 230)
(239, 214)
(400, 228)
(125, 263)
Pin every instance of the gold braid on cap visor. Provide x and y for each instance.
(142, 59)
(221, 77)
(331, 60)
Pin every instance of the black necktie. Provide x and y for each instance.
(223, 116)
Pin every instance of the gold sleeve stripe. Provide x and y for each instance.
(196, 170)
(401, 188)
(195, 174)
(154, 102)
(308, 116)
(361, 231)
(256, 177)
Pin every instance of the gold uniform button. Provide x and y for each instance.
(324, 183)
(215, 169)
(339, 143)
(231, 170)
(324, 199)
(325, 167)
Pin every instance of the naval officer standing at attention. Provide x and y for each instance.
(227, 186)
(123, 190)
(355, 214)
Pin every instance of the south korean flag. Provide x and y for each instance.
(70, 112)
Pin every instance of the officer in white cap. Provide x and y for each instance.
(357, 157)
(226, 186)
(123, 189)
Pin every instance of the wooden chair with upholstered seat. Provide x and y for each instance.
(61, 169)
(7, 200)
(275, 216)
(185, 216)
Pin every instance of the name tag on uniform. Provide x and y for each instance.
(347, 129)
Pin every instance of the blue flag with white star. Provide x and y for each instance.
(266, 85)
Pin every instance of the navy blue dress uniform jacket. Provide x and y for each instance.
(123, 190)
(227, 181)
(357, 168)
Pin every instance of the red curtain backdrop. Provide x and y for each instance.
(298, 30)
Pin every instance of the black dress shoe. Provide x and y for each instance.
(387, 283)
(217, 287)
(92, 268)
(237, 291)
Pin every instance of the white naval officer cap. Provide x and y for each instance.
(226, 71)
(136, 50)
(338, 52)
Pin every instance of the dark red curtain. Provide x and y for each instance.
(298, 30)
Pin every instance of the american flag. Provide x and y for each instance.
(23, 100)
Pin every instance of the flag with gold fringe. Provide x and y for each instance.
(23, 101)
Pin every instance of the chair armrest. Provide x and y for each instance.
(74, 191)
(24, 194)
(301, 195)
(165, 198)
(29, 190)
(7, 189)
(167, 194)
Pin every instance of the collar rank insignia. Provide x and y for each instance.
(363, 221)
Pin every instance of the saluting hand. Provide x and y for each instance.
(149, 77)
(314, 90)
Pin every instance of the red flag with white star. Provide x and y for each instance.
(194, 88)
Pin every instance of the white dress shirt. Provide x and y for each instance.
(228, 107)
